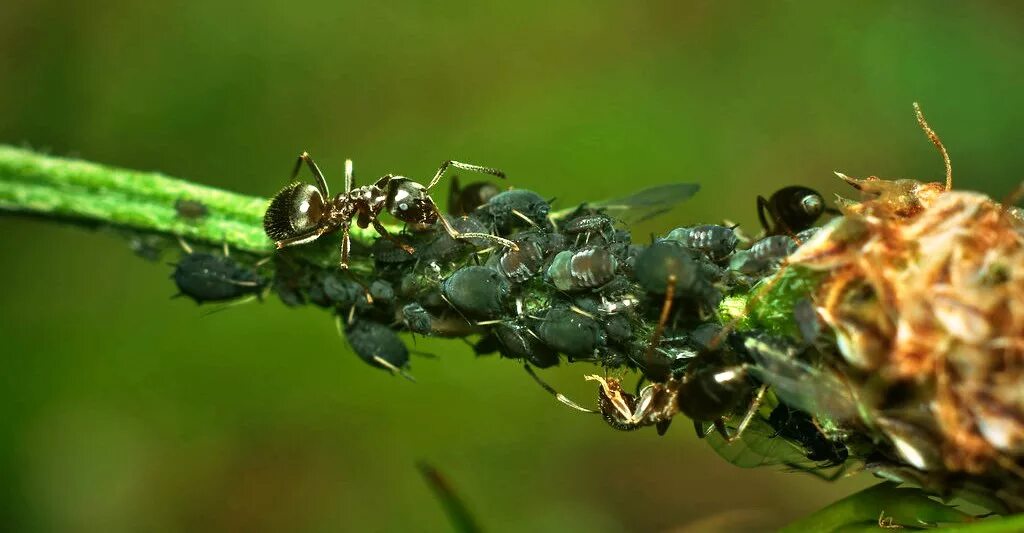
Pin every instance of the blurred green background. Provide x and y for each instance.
(123, 410)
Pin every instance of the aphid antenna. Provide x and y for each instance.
(224, 246)
(528, 220)
(1013, 197)
(394, 369)
(558, 396)
(449, 302)
(581, 312)
(425, 355)
(934, 138)
(489, 322)
(659, 330)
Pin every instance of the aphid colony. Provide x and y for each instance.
(542, 287)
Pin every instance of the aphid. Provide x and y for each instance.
(301, 213)
(190, 210)
(378, 345)
(715, 242)
(572, 333)
(477, 292)
(583, 227)
(518, 208)
(331, 290)
(207, 277)
(444, 246)
(524, 263)
(517, 341)
(463, 201)
(790, 210)
(582, 269)
(690, 276)
(768, 253)
(417, 319)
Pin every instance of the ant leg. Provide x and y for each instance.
(350, 180)
(755, 404)
(762, 206)
(346, 246)
(456, 234)
(558, 396)
(464, 166)
(304, 238)
(321, 182)
(387, 235)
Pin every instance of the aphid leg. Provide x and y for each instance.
(464, 166)
(394, 369)
(755, 404)
(456, 234)
(184, 246)
(321, 183)
(387, 235)
(934, 138)
(558, 396)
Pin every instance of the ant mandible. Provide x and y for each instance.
(302, 213)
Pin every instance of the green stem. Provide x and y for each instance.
(91, 194)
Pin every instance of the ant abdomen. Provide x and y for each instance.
(296, 209)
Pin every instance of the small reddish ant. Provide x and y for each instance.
(302, 213)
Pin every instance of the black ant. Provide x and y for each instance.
(302, 213)
(791, 210)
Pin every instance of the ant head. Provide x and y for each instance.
(812, 203)
(409, 201)
(297, 209)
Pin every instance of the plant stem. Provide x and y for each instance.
(91, 194)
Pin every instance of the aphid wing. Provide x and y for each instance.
(648, 203)
(757, 446)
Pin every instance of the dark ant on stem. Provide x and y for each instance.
(301, 213)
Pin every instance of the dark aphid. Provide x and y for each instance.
(417, 319)
(768, 253)
(444, 246)
(518, 208)
(519, 342)
(583, 269)
(377, 345)
(662, 260)
(798, 426)
(477, 292)
(619, 328)
(570, 332)
(331, 290)
(463, 201)
(524, 263)
(190, 210)
(215, 278)
(790, 210)
(715, 242)
(382, 291)
(301, 213)
(390, 252)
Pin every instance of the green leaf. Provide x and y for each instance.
(902, 506)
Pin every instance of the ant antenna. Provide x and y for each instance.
(461, 518)
(934, 138)
(659, 330)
